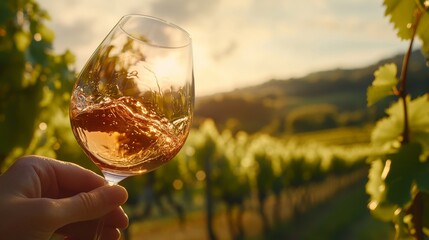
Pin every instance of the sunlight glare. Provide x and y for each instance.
(43, 126)
(169, 66)
(373, 205)
(397, 211)
(177, 184)
(386, 169)
(200, 175)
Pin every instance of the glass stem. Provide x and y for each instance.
(111, 179)
(99, 230)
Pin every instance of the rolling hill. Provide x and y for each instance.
(320, 100)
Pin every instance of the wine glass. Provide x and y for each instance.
(132, 104)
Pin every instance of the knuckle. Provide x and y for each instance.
(47, 210)
(88, 203)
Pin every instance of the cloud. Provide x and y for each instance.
(226, 51)
(242, 42)
(66, 33)
(183, 10)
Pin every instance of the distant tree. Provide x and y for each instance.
(251, 114)
(312, 118)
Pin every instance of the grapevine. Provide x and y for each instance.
(399, 176)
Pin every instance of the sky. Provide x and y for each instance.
(238, 43)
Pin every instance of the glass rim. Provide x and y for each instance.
(170, 24)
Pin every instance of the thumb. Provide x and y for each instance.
(91, 205)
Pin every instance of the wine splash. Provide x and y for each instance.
(124, 136)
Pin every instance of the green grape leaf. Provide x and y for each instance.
(47, 97)
(22, 40)
(46, 34)
(384, 82)
(425, 215)
(388, 130)
(375, 187)
(398, 191)
(401, 15)
(423, 33)
(375, 183)
(422, 179)
(401, 169)
(423, 139)
(68, 57)
(418, 119)
(385, 212)
(419, 114)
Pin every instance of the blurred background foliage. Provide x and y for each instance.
(35, 86)
(281, 160)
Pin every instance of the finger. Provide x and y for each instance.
(116, 219)
(74, 177)
(64, 178)
(110, 234)
(86, 230)
(90, 205)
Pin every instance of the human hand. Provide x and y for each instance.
(41, 196)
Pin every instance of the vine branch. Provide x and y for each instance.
(403, 79)
(416, 207)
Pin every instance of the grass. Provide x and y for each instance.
(345, 217)
(336, 136)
